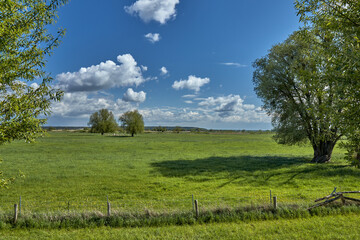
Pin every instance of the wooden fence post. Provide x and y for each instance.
(270, 197)
(15, 212)
(20, 206)
(108, 207)
(193, 202)
(275, 202)
(196, 208)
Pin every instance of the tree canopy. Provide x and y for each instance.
(339, 22)
(310, 84)
(297, 91)
(133, 122)
(103, 121)
(25, 91)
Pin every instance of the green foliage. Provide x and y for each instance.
(297, 91)
(24, 44)
(103, 121)
(352, 145)
(25, 91)
(339, 23)
(132, 122)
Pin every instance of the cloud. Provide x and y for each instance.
(225, 109)
(233, 64)
(103, 76)
(78, 106)
(192, 83)
(83, 104)
(189, 96)
(163, 71)
(153, 37)
(156, 10)
(34, 85)
(188, 101)
(231, 108)
(131, 96)
(171, 116)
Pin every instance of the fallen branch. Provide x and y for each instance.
(323, 203)
(353, 199)
(335, 194)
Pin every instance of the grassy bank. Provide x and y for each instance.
(329, 227)
(153, 219)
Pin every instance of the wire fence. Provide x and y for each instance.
(159, 205)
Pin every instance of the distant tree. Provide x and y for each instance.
(297, 88)
(51, 129)
(160, 129)
(177, 129)
(132, 122)
(103, 121)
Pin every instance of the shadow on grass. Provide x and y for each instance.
(253, 170)
(214, 165)
(119, 136)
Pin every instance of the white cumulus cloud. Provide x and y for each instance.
(103, 76)
(156, 10)
(231, 108)
(131, 96)
(192, 83)
(163, 71)
(153, 37)
(83, 104)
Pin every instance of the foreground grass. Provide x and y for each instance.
(76, 171)
(330, 227)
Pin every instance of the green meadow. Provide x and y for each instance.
(150, 180)
(67, 171)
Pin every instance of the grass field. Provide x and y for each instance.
(161, 172)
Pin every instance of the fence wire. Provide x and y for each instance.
(160, 205)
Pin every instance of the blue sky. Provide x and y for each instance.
(179, 62)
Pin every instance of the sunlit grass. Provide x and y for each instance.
(77, 171)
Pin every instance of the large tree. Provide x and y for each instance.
(339, 22)
(293, 82)
(103, 121)
(25, 91)
(133, 122)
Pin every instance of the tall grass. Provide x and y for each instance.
(154, 219)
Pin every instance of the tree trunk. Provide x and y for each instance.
(102, 133)
(132, 134)
(323, 151)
